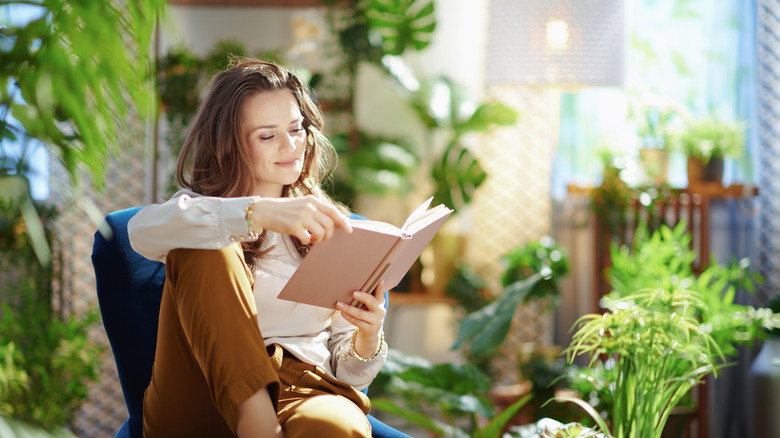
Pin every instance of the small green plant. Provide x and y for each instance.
(655, 116)
(543, 256)
(709, 137)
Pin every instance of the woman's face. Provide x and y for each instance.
(272, 126)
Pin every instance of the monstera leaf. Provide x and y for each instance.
(401, 24)
(457, 175)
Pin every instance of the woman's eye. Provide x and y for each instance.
(297, 130)
(266, 137)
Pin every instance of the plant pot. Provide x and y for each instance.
(765, 377)
(698, 171)
(656, 164)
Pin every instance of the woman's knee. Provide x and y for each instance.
(326, 416)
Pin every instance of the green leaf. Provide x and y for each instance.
(413, 417)
(457, 175)
(401, 24)
(496, 425)
(488, 115)
(487, 328)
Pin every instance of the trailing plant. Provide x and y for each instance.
(68, 74)
(64, 84)
(443, 398)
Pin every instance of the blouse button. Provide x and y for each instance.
(232, 238)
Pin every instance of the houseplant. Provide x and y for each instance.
(447, 399)
(70, 70)
(655, 117)
(653, 280)
(661, 351)
(706, 141)
(765, 378)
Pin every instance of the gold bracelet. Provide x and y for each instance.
(354, 353)
(248, 217)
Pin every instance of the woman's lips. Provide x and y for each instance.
(287, 163)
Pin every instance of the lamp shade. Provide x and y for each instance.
(579, 42)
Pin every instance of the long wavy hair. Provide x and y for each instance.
(215, 159)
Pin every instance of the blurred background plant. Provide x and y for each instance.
(70, 71)
(447, 399)
(379, 33)
(709, 137)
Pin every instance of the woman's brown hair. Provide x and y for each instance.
(215, 159)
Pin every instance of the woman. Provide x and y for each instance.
(231, 358)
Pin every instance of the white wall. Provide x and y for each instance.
(200, 27)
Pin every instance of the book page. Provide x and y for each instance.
(427, 218)
(379, 227)
(417, 213)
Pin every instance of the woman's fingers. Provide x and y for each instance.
(307, 218)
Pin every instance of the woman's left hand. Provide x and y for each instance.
(367, 318)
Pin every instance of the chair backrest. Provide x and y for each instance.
(129, 288)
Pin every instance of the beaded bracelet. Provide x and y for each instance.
(354, 353)
(248, 217)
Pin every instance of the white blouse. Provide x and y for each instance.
(316, 335)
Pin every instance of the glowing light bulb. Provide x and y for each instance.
(557, 34)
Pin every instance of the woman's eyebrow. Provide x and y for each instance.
(262, 127)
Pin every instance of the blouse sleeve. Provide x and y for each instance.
(346, 367)
(188, 220)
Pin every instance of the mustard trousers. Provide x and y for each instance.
(210, 357)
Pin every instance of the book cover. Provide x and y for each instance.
(374, 251)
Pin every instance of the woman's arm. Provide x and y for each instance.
(204, 222)
(188, 221)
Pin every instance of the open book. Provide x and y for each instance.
(374, 251)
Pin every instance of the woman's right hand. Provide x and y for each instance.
(307, 218)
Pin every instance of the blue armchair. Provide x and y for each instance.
(129, 288)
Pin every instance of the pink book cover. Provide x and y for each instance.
(333, 269)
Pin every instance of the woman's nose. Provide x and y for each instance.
(289, 142)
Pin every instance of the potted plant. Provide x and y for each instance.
(706, 142)
(655, 117)
(765, 377)
(660, 350)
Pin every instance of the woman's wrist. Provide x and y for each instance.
(252, 218)
(366, 348)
